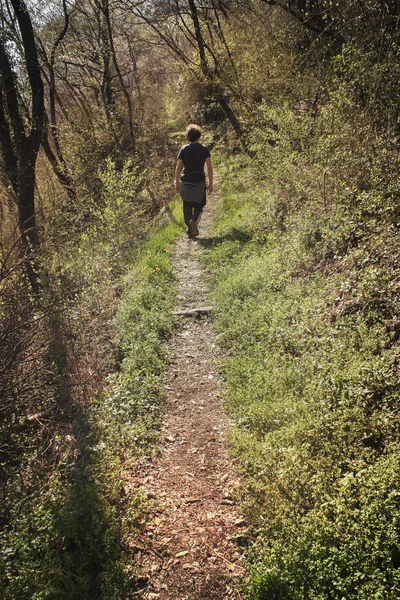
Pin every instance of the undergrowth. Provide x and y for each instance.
(66, 532)
(304, 261)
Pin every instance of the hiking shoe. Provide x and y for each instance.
(193, 229)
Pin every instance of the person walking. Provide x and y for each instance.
(191, 184)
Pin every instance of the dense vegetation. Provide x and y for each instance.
(312, 379)
(305, 257)
(85, 300)
(302, 105)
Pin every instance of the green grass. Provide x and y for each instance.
(311, 379)
(65, 539)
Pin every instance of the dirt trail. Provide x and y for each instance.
(193, 551)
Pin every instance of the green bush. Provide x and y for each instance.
(304, 279)
(65, 533)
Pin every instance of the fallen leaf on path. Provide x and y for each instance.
(183, 553)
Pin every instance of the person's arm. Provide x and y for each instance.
(178, 171)
(210, 174)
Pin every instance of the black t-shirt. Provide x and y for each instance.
(194, 156)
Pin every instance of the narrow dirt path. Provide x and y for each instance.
(193, 551)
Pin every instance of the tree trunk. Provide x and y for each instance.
(106, 13)
(230, 115)
(20, 147)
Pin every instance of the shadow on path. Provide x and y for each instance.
(234, 235)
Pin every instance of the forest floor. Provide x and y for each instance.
(192, 542)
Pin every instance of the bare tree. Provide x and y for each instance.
(21, 125)
(188, 29)
(50, 141)
(105, 9)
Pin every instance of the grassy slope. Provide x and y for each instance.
(305, 279)
(65, 539)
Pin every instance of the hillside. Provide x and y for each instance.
(299, 105)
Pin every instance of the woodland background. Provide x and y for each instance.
(300, 101)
